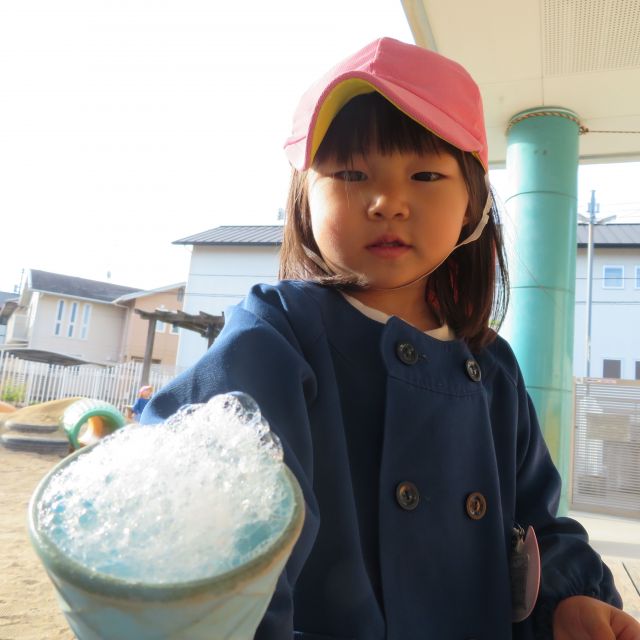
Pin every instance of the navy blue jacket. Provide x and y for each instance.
(362, 409)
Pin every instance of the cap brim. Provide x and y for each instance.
(302, 151)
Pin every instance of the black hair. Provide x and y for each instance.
(469, 290)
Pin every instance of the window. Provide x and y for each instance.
(86, 316)
(72, 319)
(611, 368)
(59, 315)
(637, 277)
(175, 330)
(159, 326)
(613, 277)
(637, 369)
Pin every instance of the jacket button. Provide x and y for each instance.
(473, 370)
(407, 495)
(407, 353)
(476, 505)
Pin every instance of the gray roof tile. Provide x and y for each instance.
(77, 287)
(611, 235)
(237, 235)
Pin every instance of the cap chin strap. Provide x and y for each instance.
(330, 269)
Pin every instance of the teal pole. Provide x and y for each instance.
(540, 230)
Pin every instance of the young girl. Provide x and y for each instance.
(401, 412)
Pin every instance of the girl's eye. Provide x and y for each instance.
(426, 176)
(349, 175)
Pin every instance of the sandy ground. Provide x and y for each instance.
(28, 606)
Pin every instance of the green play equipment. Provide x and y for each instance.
(87, 421)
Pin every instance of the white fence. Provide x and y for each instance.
(23, 382)
(606, 448)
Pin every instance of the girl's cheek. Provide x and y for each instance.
(327, 232)
(317, 198)
(324, 207)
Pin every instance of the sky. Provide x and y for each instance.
(127, 124)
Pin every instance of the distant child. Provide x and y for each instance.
(403, 415)
(144, 395)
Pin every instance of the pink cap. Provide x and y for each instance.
(436, 92)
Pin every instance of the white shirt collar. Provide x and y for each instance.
(443, 333)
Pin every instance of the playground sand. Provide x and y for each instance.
(28, 605)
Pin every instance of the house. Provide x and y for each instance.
(227, 260)
(89, 320)
(225, 263)
(615, 302)
(165, 344)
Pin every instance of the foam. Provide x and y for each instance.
(180, 501)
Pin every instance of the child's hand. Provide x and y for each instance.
(584, 618)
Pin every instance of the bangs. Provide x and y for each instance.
(370, 122)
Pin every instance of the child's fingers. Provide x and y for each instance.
(584, 618)
(624, 626)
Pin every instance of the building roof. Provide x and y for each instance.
(76, 287)
(610, 235)
(5, 295)
(150, 292)
(236, 235)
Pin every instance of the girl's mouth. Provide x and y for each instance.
(388, 247)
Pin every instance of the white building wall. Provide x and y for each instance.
(32, 313)
(220, 276)
(615, 314)
(102, 342)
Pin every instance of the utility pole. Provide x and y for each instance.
(592, 209)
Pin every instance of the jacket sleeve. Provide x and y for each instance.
(260, 356)
(570, 566)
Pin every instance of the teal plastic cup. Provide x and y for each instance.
(224, 606)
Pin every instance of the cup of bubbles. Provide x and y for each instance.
(174, 531)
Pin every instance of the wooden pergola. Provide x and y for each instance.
(205, 324)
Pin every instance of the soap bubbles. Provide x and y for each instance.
(193, 497)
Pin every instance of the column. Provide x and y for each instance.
(540, 234)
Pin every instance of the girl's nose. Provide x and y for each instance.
(388, 205)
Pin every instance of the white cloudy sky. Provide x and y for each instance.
(127, 124)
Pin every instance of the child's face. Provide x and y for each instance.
(390, 217)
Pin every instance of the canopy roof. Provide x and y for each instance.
(582, 55)
(49, 357)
